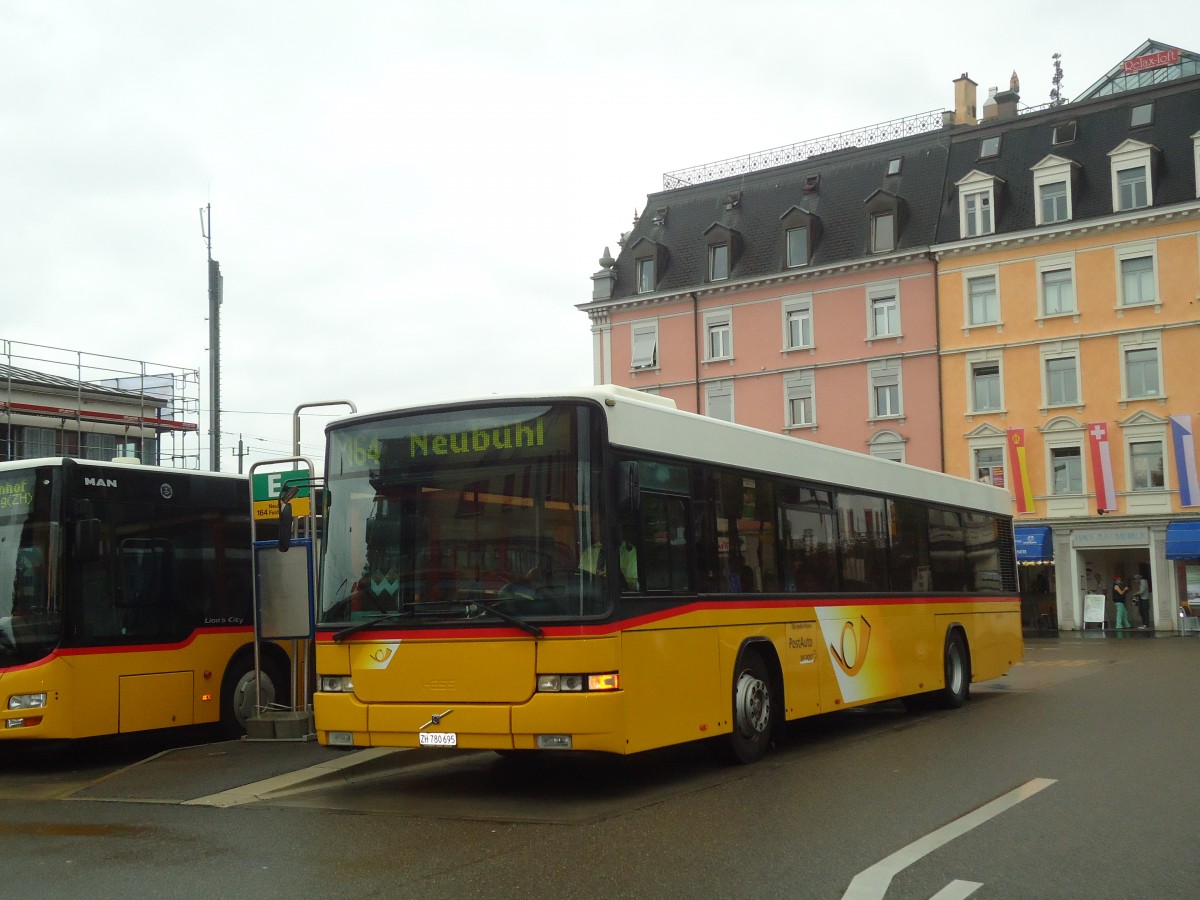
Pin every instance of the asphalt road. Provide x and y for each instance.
(1074, 777)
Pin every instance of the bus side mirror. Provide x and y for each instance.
(629, 487)
(285, 517)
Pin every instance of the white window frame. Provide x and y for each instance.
(718, 335)
(990, 477)
(644, 266)
(1144, 428)
(885, 373)
(885, 297)
(713, 250)
(877, 221)
(1051, 480)
(718, 398)
(1131, 155)
(799, 390)
(1046, 266)
(977, 360)
(1133, 474)
(801, 309)
(1139, 342)
(1136, 251)
(970, 275)
(647, 331)
(1057, 350)
(791, 261)
(1052, 170)
(977, 195)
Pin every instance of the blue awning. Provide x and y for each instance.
(1033, 544)
(1183, 540)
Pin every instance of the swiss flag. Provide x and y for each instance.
(1102, 475)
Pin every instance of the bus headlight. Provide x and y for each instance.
(607, 681)
(335, 684)
(27, 701)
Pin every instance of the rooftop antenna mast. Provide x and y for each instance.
(1056, 97)
(215, 291)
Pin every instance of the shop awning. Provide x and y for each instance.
(1183, 540)
(1033, 544)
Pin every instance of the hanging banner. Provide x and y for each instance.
(1102, 474)
(1184, 441)
(1016, 461)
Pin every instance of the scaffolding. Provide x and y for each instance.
(96, 392)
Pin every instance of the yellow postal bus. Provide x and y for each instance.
(125, 601)
(601, 571)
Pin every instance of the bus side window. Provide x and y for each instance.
(663, 559)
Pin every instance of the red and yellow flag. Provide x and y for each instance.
(1020, 470)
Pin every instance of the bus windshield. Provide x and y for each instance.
(30, 618)
(487, 515)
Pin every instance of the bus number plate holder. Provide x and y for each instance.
(438, 738)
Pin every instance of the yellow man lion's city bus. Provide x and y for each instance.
(125, 601)
(601, 571)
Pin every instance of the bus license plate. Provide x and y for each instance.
(438, 739)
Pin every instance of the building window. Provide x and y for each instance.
(718, 327)
(645, 275)
(1131, 169)
(977, 213)
(1141, 115)
(1131, 188)
(801, 404)
(989, 146)
(798, 324)
(989, 465)
(883, 312)
(887, 445)
(1146, 466)
(797, 247)
(1137, 280)
(883, 232)
(886, 394)
(645, 346)
(1141, 372)
(718, 398)
(99, 446)
(1062, 380)
(985, 387)
(1054, 202)
(1066, 470)
(718, 262)
(1058, 291)
(983, 301)
(1064, 133)
(37, 442)
(894, 164)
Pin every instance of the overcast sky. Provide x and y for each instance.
(408, 199)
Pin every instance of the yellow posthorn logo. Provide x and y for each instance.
(853, 651)
(382, 654)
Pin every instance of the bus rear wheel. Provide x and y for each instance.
(957, 663)
(752, 710)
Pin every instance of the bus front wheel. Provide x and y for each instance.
(238, 694)
(752, 715)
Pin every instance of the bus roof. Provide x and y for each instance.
(641, 421)
(17, 465)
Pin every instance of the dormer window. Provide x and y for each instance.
(800, 228)
(649, 264)
(883, 214)
(811, 183)
(1064, 133)
(1132, 165)
(724, 246)
(1141, 115)
(989, 147)
(976, 204)
(893, 167)
(645, 275)
(1053, 185)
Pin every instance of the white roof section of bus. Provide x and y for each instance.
(641, 421)
(16, 465)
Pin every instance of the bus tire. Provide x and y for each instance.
(753, 713)
(957, 665)
(238, 693)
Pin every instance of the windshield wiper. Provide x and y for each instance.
(339, 636)
(510, 619)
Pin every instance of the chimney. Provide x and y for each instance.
(1006, 101)
(964, 101)
(989, 105)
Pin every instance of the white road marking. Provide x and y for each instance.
(957, 890)
(872, 883)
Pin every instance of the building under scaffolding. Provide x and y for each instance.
(59, 402)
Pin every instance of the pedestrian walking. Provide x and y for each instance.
(1141, 596)
(1120, 592)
